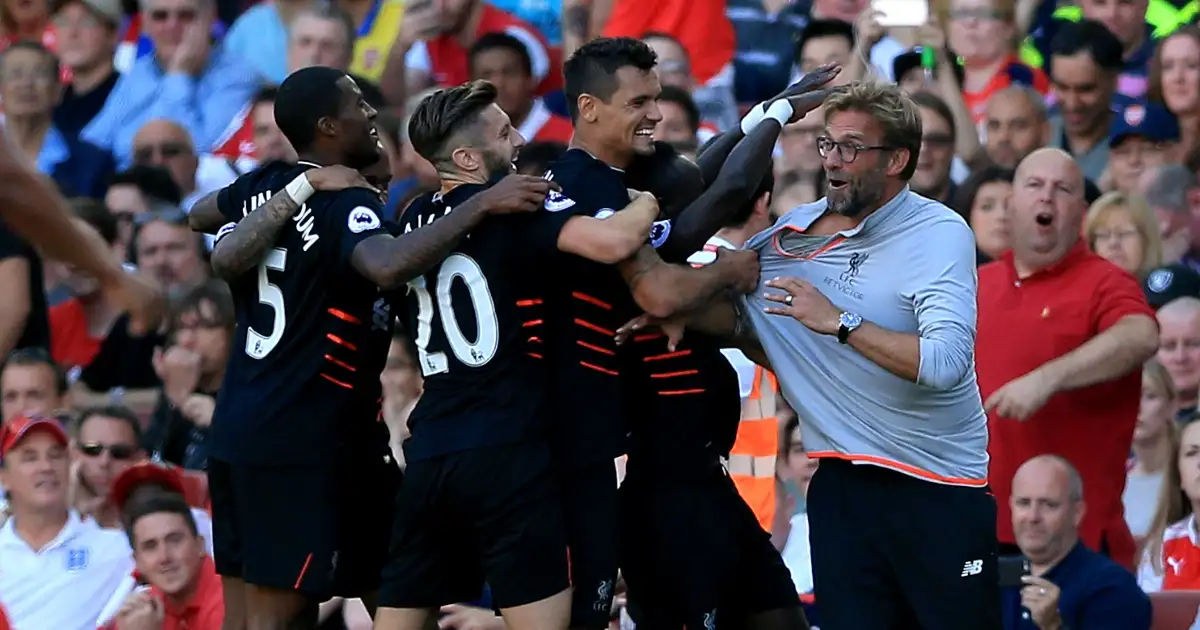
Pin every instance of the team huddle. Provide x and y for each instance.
(513, 289)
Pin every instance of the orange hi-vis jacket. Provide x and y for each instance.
(752, 459)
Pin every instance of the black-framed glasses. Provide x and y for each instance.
(119, 452)
(847, 150)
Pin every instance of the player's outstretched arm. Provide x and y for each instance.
(240, 248)
(205, 216)
(662, 289)
(614, 238)
(733, 188)
(390, 261)
(31, 207)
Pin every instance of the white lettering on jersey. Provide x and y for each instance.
(556, 201)
(362, 219)
(605, 213)
(425, 219)
(303, 219)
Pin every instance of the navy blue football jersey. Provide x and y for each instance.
(470, 318)
(312, 334)
(584, 304)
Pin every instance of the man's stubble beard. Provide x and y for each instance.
(865, 190)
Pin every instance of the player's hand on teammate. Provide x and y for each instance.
(460, 617)
(673, 328)
(1040, 597)
(809, 92)
(517, 193)
(338, 177)
(1022, 397)
(179, 370)
(802, 301)
(140, 611)
(741, 269)
(139, 297)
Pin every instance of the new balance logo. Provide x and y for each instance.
(973, 567)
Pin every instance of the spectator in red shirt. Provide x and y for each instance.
(79, 324)
(185, 591)
(1062, 335)
(504, 61)
(432, 48)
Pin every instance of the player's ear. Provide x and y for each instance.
(466, 159)
(587, 107)
(327, 125)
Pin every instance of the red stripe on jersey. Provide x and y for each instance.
(336, 382)
(341, 342)
(674, 374)
(532, 322)
(681, 392)
(343, 364)
(669, 355)
(597, 348)
(647, 337)
(528, 302)
(344, 316)
(598, 368)
(591, 300)
(591, 326)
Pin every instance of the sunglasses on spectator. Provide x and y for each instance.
(166, 150)
(119, 452)
(173, 216)
(183, 15)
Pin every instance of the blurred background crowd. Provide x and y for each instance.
(137, 110)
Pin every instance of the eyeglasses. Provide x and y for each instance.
(978, 14)
(847, 150)
(144, 155)
(1122, 235)
(119, 452)
(183, 15)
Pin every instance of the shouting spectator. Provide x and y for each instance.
(1175, 82)
(87, 41)
(1085, 60)
(1154, 442)
(191, 369)
(1143, 137)
(1071, 586)
(59, 570)
(185, 590)
(106, 442)
(30, 89)
(504, 61)
(1069, 383)
(137, 191)
(1016, 122)
(188, 79)
(1123, 230)
(31, 384)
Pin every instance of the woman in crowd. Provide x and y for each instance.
(1170, 559)
(795, 469)
(983, 201)
(1123, 229)
(983, 34)
(1155, 439)
(1175, 82)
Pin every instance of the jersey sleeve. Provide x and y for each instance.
(576, 199)
(227, 199)
(353, 217)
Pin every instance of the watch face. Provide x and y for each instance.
(850, 320)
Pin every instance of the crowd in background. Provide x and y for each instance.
(137, 111)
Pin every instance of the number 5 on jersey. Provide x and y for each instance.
(258, 346)
(471, 354)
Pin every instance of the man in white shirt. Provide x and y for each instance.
(56, 571)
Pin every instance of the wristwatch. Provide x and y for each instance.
(848, 323)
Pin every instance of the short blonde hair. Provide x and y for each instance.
(1143, 219)
(895, 112)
